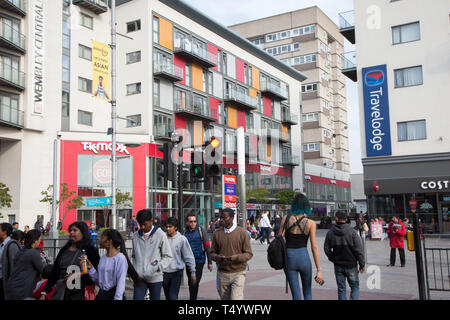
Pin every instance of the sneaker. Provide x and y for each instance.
(390, 265)
(402, 266)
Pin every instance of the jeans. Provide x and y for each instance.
(298, 262)
(262, 234)
(351, 275)
(171, 284)
(401, 252)
(193, 289)
(141, 289)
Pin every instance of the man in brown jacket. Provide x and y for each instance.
(231, 250)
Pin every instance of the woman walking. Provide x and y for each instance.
(297, 229)
(113, 267)
(68, 257)
(27, 268)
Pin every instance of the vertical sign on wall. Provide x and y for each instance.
(37, 56)
(376, 111)
(101, 70)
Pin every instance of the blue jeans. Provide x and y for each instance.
(171, 284)
(351, 275)
(298, 262)
(262, 234)
(141, 289)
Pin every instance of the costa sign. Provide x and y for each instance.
(104, 146)
(435, 185)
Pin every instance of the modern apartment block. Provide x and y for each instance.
(176, 69)
(309, 41)
(402, 70)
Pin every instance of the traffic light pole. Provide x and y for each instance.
(180, 195)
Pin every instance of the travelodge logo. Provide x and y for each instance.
(374, 78)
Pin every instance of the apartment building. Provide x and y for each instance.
(309, 41)
(176, 70)
(402, 69)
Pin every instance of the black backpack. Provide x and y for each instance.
(276, 252)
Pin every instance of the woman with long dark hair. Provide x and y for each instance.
(111, 273)
(68, 257)
(27, 268)
(297, 229)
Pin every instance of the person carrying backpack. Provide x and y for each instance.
(8, 250)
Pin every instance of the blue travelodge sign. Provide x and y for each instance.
(376, 111)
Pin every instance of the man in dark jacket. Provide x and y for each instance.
(343, 247)
(8, 250)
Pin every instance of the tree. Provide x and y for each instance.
(5, 197)
(285, 197)
(259, 194)
(123, 199)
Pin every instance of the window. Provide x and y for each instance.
(155, 29)
(311, 147)
(85, 118)
(181, 99)
(134, 88)
(133, 57)
(258, 41)
(86, 21)
(133, 26)
(134, 121)
(249, 122)
(406, 33)
(310, 117)
(224, 63)
(309, 87)
(210, 83)
(187, 72)
(204, 81)
(162, 125)
(84, 52)
(156, 92)
(84, 85)
(412, 130)
(408, 77)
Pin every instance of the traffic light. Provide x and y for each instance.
(168, 171)
(214, 154)
(197, 165)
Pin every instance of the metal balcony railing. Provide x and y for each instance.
(162, 131)
(11, 116)
(97, 6)
(165, 67)
(11, 36)
(241, 98)
(186, 45)
(12, 76)
(347, 19)
(288, 159)
(349, 60)
(16, 6)
(193, 107)
(288, 117)
(267, 86)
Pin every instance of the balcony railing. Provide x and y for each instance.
(96, 6)
(189, 107)
(162, 131)
(10, 76)
(289, 118)
(290, 160)
(349, 65)
(241, 99)
(274, 90)
(168, 70)
(347, 25)
(16, 6)
(186, 48)
(11, 116)
(11, 38)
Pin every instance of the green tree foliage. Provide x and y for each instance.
(5, 197)
(74, 202)
(259, 194)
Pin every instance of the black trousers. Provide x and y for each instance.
(193, 289)
(401, 252)
(2, 293)
(107, 295)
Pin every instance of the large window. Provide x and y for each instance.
(85, 118)
(412, 130)
(311, 147)
(309, 87)
(134, 88)
(310, 117)
(133, 57)
(85, 52)
(84, 85)
(406, 33)
(134, 121)
(408, 77)
(86, 21)
(162, 124)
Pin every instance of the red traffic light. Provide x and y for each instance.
(214, 142)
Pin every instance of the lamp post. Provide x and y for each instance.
(113, 113)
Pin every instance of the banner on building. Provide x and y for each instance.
(376, 111)
(101, 70)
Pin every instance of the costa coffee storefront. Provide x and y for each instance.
(405, 185)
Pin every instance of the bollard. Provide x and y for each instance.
(410, 240)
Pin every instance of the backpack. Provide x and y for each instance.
(276, 252)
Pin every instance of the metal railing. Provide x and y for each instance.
(349, 60)
(289, 117)
(13, 36)
(192, 106)
(270, 86)
(347, 19)
(12, 75)
(167, 66)
(436, 248)
(100, 3)
(162, 131)
(290, 159)
(11, 115)
(186, 44)
(241, 97)
(19, 4)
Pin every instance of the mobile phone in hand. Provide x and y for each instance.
(320, 283)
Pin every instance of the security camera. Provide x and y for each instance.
(59, 134)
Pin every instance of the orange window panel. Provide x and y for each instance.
(165, 33)
(197, 77)
(232, 117)
(285, 132)
(253, 93)
(255, 76)
(269, 150)
(198, 132)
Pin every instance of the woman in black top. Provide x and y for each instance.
(70, 255)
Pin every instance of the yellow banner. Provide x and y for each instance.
(101, 70)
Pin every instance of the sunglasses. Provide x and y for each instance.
(191, 221)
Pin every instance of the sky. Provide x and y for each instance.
(232, 12)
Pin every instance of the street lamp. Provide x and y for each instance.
(113, 113)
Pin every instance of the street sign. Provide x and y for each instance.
(229, 192)
(95, 202)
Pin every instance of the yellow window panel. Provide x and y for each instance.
(198, 132)
(165, 33)
(255, 76)
(253, 93)
(197, 77)
(232, 117)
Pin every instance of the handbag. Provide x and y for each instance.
(60, 286)
(89, 292)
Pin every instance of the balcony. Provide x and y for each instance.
(11, 38)
(162, 132)
(14, 6)
(11, 117)
(96, 6)
(284, 137)
(289, 160)
(288, 118)
(166, 69)
(349, 66)
(347, 25)
(11, 77)
(184, 48)
(274, 91)
(241, 100)
(193, 109)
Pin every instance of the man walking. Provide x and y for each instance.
(397, 231)
(265, 225)
(93, 234)
(200, 245)
(231, 250)
(8, 250)
(343, 247)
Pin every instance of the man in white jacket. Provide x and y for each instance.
(264, 223)
(151, 255)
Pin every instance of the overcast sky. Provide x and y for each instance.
(230, 12)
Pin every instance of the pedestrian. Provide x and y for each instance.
(132, 226)
(8, 250)
(93, 234)
(15, 226)
(212, 226)
(397, 233)
(157, 222)
(201, 247)
(19, 236)
(48, 227)
(39, 287)
(265, 226)
(261, 230)
(298, 261)
(248, 227)
(343, 247)
(26, 229)
(27, 268)
(38, 224)
(231, 250)
(151, 255)
(68, 260)
(113, 267)
(182, 257)
(277, 224)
